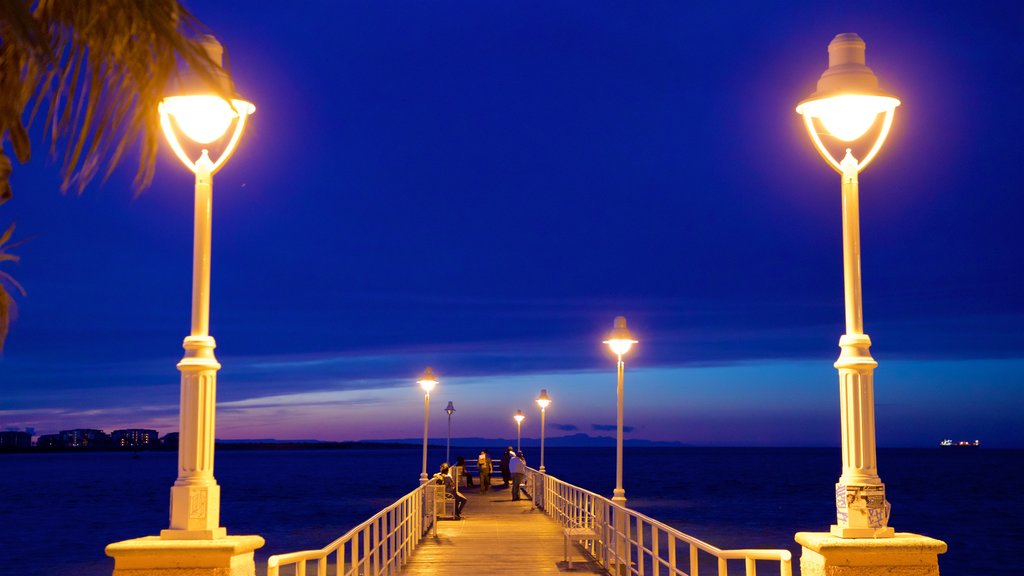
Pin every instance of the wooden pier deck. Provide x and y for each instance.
(497, 536)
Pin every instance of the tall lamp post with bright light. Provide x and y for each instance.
(845, 106)
(519, 417)
(543, 401)
(620, 341)
(427, 382)
(195, 496)
(195, 542)
(450, 409)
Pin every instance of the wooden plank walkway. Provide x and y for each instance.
(497, 536)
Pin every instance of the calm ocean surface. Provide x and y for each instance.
(58, 511)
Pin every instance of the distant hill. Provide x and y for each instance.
(572, 441)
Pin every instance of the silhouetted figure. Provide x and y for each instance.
(461, 463)
(483, 462)
(517, 466)
(506, 475)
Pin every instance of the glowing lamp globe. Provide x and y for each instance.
(519, 416)
(543, 400)
(427, 381)
(205, 118)
(620, 340)
(848, 100)
(848, 116)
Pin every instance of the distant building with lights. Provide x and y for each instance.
(135, 438)
(11, 441)
(84, 438)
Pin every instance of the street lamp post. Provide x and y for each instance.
(195, 543)
(620, 341)
(845, 106)
(195, 496)
(543, 401)
(427, 381)
(519, 417)
(450, 409)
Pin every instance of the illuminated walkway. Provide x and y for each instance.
(497, 536)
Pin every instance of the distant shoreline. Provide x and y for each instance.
(275, 445)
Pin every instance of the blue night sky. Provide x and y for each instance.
(482, 186)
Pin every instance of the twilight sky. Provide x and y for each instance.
(482, 186)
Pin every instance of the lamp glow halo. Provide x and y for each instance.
(203, 119)
(865, 110)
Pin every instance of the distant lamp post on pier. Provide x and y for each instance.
(450, 409)
(203, 114)
(427, 381)
(620, 341)
(845, 106)
(519, 417)
(543, 401)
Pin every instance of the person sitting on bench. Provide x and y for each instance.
(451, 488)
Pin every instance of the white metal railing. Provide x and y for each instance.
(637, 544)
(380, 545)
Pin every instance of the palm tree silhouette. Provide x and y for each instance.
(95, 70)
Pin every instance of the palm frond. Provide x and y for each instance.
(8, 307)
(105, 66)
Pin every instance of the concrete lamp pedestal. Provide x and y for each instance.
(903, 554)
(153, 556)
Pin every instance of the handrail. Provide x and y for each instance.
(379, 545)
(636, 543)
(623, 541)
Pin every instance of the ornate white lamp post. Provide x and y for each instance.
(427, 381)
(519, 417)
(620, 341)
(450, 409)
(195, 496)
(543, 401)
(196, 543)
(846, 105)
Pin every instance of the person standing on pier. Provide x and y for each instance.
(484, 464)
(505, 474)
(518, 469)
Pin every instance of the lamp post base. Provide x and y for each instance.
(155, 556)
(904, 554)
(848, 532)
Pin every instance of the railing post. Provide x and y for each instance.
(639, 546)
(655, 551)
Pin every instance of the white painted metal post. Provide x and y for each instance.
(195, 496)
(426, 419)
(861, 507)
(541, 469)
(619, 495)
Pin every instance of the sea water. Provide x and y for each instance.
(59, 510)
